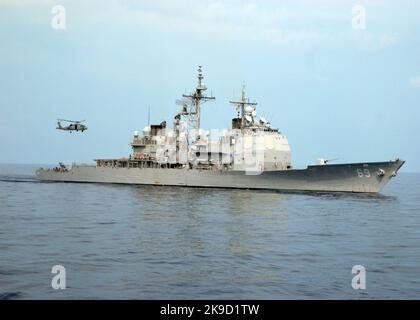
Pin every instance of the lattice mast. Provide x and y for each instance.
(241, 104)
(192, 110)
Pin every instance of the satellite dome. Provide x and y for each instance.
(146, 130)
(248, 109)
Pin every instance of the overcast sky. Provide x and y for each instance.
(335, 86)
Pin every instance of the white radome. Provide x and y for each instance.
(248, 109)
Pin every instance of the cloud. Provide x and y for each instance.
(415, 82)
(288, 23)
(371, 41)
(26, 3)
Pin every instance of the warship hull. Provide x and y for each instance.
(354, 177)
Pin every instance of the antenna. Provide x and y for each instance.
(148, 116)
(195, 99)
(241, 104)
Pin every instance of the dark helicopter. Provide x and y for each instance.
(73, 125)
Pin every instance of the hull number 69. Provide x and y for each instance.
(363, 173)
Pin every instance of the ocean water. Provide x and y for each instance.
(145, 242)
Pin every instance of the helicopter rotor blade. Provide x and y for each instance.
(72, 121)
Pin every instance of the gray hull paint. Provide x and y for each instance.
(355, 177)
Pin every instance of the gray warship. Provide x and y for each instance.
(250, 155)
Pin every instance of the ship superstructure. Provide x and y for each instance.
(251, 144)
